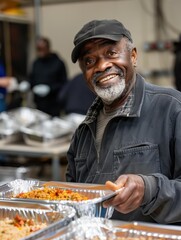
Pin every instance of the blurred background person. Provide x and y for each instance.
(47, 77)
(76, 97)
(177, 64)
(4, 84)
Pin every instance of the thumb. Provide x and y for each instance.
(120, 182)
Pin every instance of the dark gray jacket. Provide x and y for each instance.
(147, 142)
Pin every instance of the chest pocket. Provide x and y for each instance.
(139, 159)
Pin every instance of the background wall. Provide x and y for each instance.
(60, 22)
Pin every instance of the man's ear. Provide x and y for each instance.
(134, 57)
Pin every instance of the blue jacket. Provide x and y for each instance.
(2, 74)
(147, 142)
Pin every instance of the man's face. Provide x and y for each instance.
(108, 67)
(42, 49)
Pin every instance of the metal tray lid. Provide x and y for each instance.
(49, 128)
(25, 116)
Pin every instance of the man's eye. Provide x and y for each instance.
(112, 54)
(89, 61)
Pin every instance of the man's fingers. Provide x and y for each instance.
(115, 186)
(111, 186)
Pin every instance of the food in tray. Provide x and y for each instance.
(47, 193)
(89, 196)
(18, 227)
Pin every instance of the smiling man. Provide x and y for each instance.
(132, 132)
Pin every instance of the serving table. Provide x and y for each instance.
(54, 152)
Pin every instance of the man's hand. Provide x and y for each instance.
(130, 196)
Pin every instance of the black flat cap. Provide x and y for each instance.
(107, 29)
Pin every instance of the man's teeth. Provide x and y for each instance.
(107, 78)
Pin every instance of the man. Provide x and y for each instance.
(132, 132)
(47, 78)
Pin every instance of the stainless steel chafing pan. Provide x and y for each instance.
(24, 116)
(47, 133)
(11, 122)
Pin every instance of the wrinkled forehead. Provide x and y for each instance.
(95, 44)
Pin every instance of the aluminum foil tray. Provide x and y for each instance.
(11, 122)
(55, 220)
(86, 228)
(91, 207)
(103, 229)
(145, 231)
(46, 133)
(24, 116)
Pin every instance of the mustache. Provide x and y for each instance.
(114, 70)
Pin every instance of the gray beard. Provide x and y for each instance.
(110, 94)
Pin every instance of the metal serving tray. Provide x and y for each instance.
(25, 116)
(98, 228)
(86, 228)
(46, 133)
(11, 122)
(144, 231)
(91, 207)
(55, 220)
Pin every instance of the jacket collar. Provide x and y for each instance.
(138, 96)
(135, 110)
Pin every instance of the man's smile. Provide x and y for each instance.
(107, 79)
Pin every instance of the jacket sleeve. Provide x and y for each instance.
(163, 196)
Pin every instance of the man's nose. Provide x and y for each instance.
(102, 64)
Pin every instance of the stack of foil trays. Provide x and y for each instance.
(11, 123)
(34, 127)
